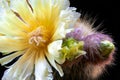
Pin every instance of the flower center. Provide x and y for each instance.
(36, 37)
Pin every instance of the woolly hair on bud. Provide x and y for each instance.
(92, 65)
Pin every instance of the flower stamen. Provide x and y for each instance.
(36, 37)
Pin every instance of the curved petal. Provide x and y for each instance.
(9, 58)
(54, 64)
(43, 70)
(53, 55)
(22, 69)
(8, 44)
(54, 47)
(53, 50)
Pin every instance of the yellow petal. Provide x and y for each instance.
(9, 58)
(8, 44)
(43, 7)
(46, 11)
(24, 10)
(10, 24)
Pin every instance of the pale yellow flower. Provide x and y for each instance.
(34, 29)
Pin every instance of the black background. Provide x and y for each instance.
(107, 14)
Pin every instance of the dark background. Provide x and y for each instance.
(106, 12)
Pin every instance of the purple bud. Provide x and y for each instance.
(76, 34)
(93, 49)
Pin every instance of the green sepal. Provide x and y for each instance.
(106, 48)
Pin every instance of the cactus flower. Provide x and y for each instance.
(34, 30)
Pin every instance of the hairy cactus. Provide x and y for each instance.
(99, 49)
